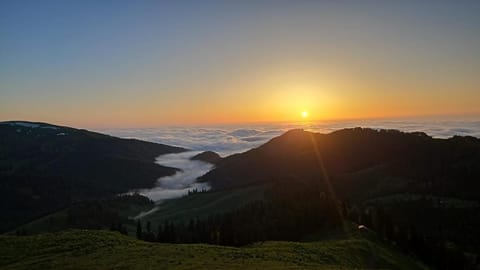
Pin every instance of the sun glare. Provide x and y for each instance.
(304, 114)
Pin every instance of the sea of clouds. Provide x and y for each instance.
(230, 139)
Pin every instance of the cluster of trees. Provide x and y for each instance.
(196, 190)
(292, 211)
(434, 248)
(93, 215)
(107, 213)
(288, 214)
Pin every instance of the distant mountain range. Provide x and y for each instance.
(45, 167)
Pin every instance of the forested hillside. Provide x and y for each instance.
(45, 167)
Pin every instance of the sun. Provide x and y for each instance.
(304, 114)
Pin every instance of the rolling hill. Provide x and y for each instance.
(409, 187)
(44, 168)
(360, 163)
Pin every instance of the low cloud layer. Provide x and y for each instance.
(227, 140)
(180, 183)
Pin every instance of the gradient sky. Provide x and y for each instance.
(149, 63)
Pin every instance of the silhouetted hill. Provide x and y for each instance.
(207, 156)
(44, 167)
(415, 190)
(412, 162)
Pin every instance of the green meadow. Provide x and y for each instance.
(83, 249)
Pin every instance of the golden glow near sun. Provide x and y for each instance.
(304, 114)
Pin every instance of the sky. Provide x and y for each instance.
(151, 63)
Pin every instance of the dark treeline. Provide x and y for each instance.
(196, 191)
(289, 213)
(110, 213)
(434, 247)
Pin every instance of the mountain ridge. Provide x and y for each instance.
(45, 167)
(298, 153)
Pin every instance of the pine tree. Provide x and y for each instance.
(139, 230)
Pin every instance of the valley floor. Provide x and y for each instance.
(81, 249)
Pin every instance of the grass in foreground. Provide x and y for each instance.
(109, 250)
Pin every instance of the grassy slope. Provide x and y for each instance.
(203, 204)
(58, 221)
(181, 209)
(109, 250)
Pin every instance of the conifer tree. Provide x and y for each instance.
(139, 229)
